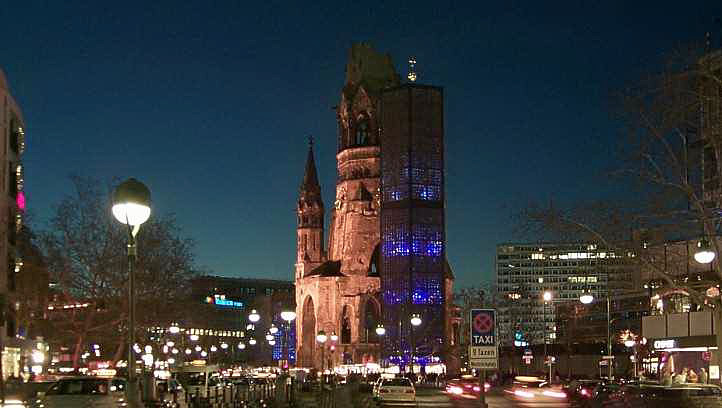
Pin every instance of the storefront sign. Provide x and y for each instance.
(665, 344)
(714, 372)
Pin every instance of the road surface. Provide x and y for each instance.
(435, 398)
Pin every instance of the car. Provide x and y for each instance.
(84, 392)
(580, 389)
(598, 397)
(535, 389)
(678, 396)
(466, 386)
(396, 389)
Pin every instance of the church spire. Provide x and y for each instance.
(310, 178)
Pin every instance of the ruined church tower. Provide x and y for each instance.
(338, 292)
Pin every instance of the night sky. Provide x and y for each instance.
(211, 105)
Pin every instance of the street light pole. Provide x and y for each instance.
(131, 206)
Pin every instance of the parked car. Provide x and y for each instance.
(656, 396)
(84, 392)
(396, 389)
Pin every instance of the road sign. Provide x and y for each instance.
(482, 332)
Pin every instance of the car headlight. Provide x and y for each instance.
(12, 403)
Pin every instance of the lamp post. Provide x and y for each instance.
(380, 332)
(131, 206)
(288, 316)
(321, 339)
(415, 322)
(587, 298)
(547, 297)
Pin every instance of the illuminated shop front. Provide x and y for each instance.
(681, 340)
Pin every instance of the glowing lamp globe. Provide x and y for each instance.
(704, 254)
(254, 316)
(188, 351)
(273, 329)
(334, 336)
(271, 342)
(288, 315)
(321, 337)
(380, 330)
(174, 329)
(241, 346)
(629, 343)
(224, 346)
(252, 342)
(415, 319)
(131, 202)
(269, 337)
(547, 296)
(586, 298)
(214, 349)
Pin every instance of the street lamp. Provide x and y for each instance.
(252, 342)
(586, 297)
(131, 206)
(704, 254)
(415, 322)
(174, 329)
(288, 316)
(547, 297)
(321, 339)
(273, 329)
(254, 317)
(380, 330)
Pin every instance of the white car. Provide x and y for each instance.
(396, 389)
(84, 392)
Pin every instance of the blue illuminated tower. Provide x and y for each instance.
(412, 220)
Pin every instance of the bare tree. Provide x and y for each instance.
(670, 158)
(85, 252)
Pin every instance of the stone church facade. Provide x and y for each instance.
(338, 285)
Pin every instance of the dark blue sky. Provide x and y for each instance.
(211, 105)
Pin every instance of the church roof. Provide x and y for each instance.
(327, 269)
(310, 178)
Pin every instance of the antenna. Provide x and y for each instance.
(412, 73)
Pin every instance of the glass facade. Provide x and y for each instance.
(412, 221)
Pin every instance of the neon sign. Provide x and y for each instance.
(220, 300)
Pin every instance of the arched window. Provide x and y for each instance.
(375, 264)
(362, 131)
(345, 326)
(372, 317)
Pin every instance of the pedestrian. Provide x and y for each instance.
(702, 376)
(680, 378)
(666, 378)
(691, 376)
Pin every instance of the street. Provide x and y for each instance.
(436, 398)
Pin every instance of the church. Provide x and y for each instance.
(365, 278)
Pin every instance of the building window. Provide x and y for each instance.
(362, 131)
